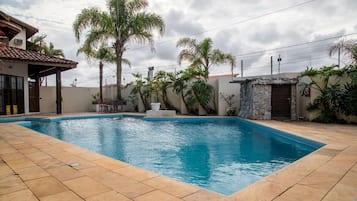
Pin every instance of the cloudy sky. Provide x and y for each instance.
(299, 30)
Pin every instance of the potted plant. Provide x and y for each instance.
(230, 110)
(95, 103)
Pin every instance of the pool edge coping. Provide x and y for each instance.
(254, 185)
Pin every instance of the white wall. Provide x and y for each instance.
(227, 89)
(21, 36)
(75, 99)
(18, 69)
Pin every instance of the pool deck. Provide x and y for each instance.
(38, 167)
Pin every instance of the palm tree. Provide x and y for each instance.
(37, 43)
(202, 55)
(125, 22)
(103, 54)
(51, 51)
(348, 47)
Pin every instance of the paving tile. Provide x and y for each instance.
(173, 187)
(45, 186)
(108, 196)
(21, 163)
(350, 179)
(82, 164)
(85, 186)
(22, 146)
(65, 157)
(28, 150)
(64, 172)
(75, 150)
(64, 196)
(260, 191)
(110, 164)
(341, 192)
(132, 190)
(5, 171)
(95, 172)
(49, 163)
(36, 156)
(11, 184)
(32, 172)
(12, 156)
(135, 173)
(7, 150)
(204, 195)
(113, 180)
(91, 156)
(157, 195)
(23, 195)
(300, 192)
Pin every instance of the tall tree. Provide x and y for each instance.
(127, 21)
(51, 51)
(347, 47)
(37, 43)
(103, 54)
(202, 55)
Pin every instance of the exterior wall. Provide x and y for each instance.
(293, 99)
(21, 36)
(246, 100)
(18, 69)
(303, 101)
(261, 102)
(75, 99)
(227, 88)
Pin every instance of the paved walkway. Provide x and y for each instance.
(37, 167)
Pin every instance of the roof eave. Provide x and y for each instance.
(30, 30)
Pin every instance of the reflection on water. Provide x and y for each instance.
(222, 156)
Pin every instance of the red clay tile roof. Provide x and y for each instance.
(16, 54)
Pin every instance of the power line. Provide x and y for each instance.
(277, 48)
(294, 45)
(238, 22)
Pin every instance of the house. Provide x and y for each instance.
(21, 69)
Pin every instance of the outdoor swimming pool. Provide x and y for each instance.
(219, 154)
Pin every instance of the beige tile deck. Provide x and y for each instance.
(38, 167)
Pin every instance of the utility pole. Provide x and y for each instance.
(279, 60)
(271, 65)
(150, 72)
(241, 68)
(339, 57)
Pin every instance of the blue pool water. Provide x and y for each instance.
(222, 155)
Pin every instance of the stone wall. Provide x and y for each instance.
(293, 109)
(246, 100)
(261, 102)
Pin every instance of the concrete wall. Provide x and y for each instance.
(21, 36)
(227, 88)
(21, 70)
(303, 101)
(75, 99)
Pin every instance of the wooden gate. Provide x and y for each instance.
(281, 101)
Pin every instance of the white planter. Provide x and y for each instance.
(155, 106)
(97, 107)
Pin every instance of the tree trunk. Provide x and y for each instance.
(184, 101)
(119, 54)
(101, 81)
